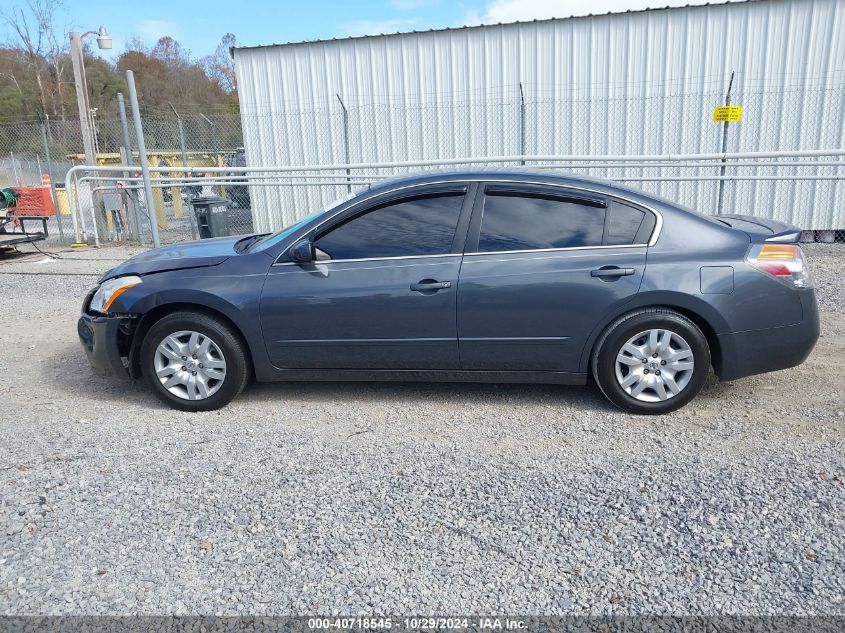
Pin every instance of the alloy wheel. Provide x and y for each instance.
(654, 365)
(190, 365)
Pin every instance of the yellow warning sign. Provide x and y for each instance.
(730, 114)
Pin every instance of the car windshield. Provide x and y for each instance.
(273, 238)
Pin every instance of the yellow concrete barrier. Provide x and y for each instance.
(158, 204)
(177, 202)
(62, 201)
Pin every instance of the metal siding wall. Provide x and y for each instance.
(634, 83)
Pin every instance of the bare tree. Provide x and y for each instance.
(14, 81)
(172, 53)
(43, 48)
(220, 66)
(58, 50)
(27, 28)
(136, 45)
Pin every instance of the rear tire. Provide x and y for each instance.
(194, 361)
(651, 361)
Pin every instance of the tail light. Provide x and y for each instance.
(783, 261)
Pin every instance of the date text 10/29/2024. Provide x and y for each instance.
(478, 623)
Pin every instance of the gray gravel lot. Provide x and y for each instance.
(393, 498)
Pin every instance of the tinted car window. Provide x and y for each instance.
(423, 225)
(623, 224)
(519, 222)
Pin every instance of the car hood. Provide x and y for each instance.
(177, 257)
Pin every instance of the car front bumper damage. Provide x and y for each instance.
(106, 341)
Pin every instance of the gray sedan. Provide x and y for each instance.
(470, 276)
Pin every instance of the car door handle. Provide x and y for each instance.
(611, 271)
(430, 286)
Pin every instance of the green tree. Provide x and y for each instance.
(166, 75)
(36, 78)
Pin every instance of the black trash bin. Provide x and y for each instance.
(212, 214)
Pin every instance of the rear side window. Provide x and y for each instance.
(627, 225)
(516, 221)
(423, 225)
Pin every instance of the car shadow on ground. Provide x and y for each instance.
(445, 393)
(67, 371)
(571, 397)
(75, 376)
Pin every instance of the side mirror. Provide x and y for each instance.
(302, 252)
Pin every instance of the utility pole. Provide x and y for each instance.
(82, 97)
(86, 122)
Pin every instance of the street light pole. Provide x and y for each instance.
(82, 97)
(86, 123)
(81, 84)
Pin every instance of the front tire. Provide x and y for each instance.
(651, 361)
(194, 361)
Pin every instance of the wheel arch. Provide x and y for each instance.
(155, 314)
(705, 317)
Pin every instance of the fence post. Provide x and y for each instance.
(14, 169)
(521, 124)
(345, 143)
(216, 147)
(724, 148)
(181, 136)
(142, 150)
(127, 145)
(52, 184)
(176, 197)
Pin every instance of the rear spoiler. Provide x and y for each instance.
(762, 229)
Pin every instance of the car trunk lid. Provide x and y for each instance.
(762, 229)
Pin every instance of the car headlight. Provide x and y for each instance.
(111, 290)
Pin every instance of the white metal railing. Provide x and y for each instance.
(314, 175)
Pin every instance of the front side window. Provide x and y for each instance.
(422, 225)
(524, 221)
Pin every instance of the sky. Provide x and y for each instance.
(200, 25)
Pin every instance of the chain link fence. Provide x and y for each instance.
(584, 121)
(552, 121)
(31, 150)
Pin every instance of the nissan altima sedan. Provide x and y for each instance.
(472, 276)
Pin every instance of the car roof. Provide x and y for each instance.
(525, 175)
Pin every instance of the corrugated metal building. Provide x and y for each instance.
(639, 82)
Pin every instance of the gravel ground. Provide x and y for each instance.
(386, 498)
